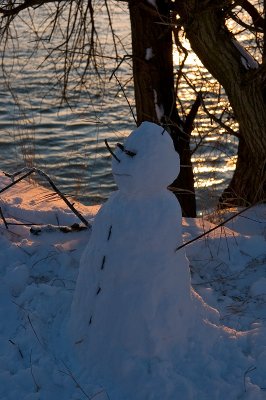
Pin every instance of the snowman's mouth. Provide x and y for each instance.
(117, 174)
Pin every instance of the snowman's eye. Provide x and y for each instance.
(127, 152)
(120, 146)
(130, 153)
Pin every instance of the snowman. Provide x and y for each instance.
(132, 302)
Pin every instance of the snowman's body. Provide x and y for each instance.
(133, 296)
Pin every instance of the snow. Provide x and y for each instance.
(213, 355)
(149, 54)
(153, 3)
(258, 288)
(128, 289)
(153, 168)
(246, 59)
(158, 107)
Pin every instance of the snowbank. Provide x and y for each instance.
(38, 275)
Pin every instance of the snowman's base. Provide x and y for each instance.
(124, 376)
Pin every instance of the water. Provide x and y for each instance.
(68, 143)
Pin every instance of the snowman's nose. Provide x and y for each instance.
(111, 151)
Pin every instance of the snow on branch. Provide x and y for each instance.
(247, 60)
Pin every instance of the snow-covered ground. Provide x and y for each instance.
(37, 282)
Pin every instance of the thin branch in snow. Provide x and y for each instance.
(250, 369)
(34, 331)
(17, 346)
(218, 226)
(70, 374)
(100, 392)
(3, 218)
(36, 229)
(49, 256)
(24, 224)
(14, 181)
(30, 171)
(37, 387)
(11, 232)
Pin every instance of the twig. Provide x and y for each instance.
(24, 224)
(33, 377)
(36, 229)
(70, 374)
(32, 327)
(250, 369)
(11, 232)
(219, 121)
(8, 12)
(100, 392)
(124, 93)
(49, 256)
(17, 346)
(229, 130)
(43, 174)
(15, 181)
(119, 64)
(217, 226)
(3, 218)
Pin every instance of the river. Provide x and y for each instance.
(67, 140)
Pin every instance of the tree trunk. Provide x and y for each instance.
(154, 86)
(248, 178)
(245, 85)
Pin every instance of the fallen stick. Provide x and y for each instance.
(36, 230)
(3, 218)
(218, 226)
(30, 171)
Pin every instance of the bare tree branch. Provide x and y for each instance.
(189, 122)
(257, 19)
(12, 10)
(244, 24)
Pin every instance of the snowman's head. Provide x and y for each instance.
(147, 161)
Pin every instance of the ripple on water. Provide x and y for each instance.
(69, 144)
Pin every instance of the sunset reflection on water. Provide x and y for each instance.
(69, 143)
